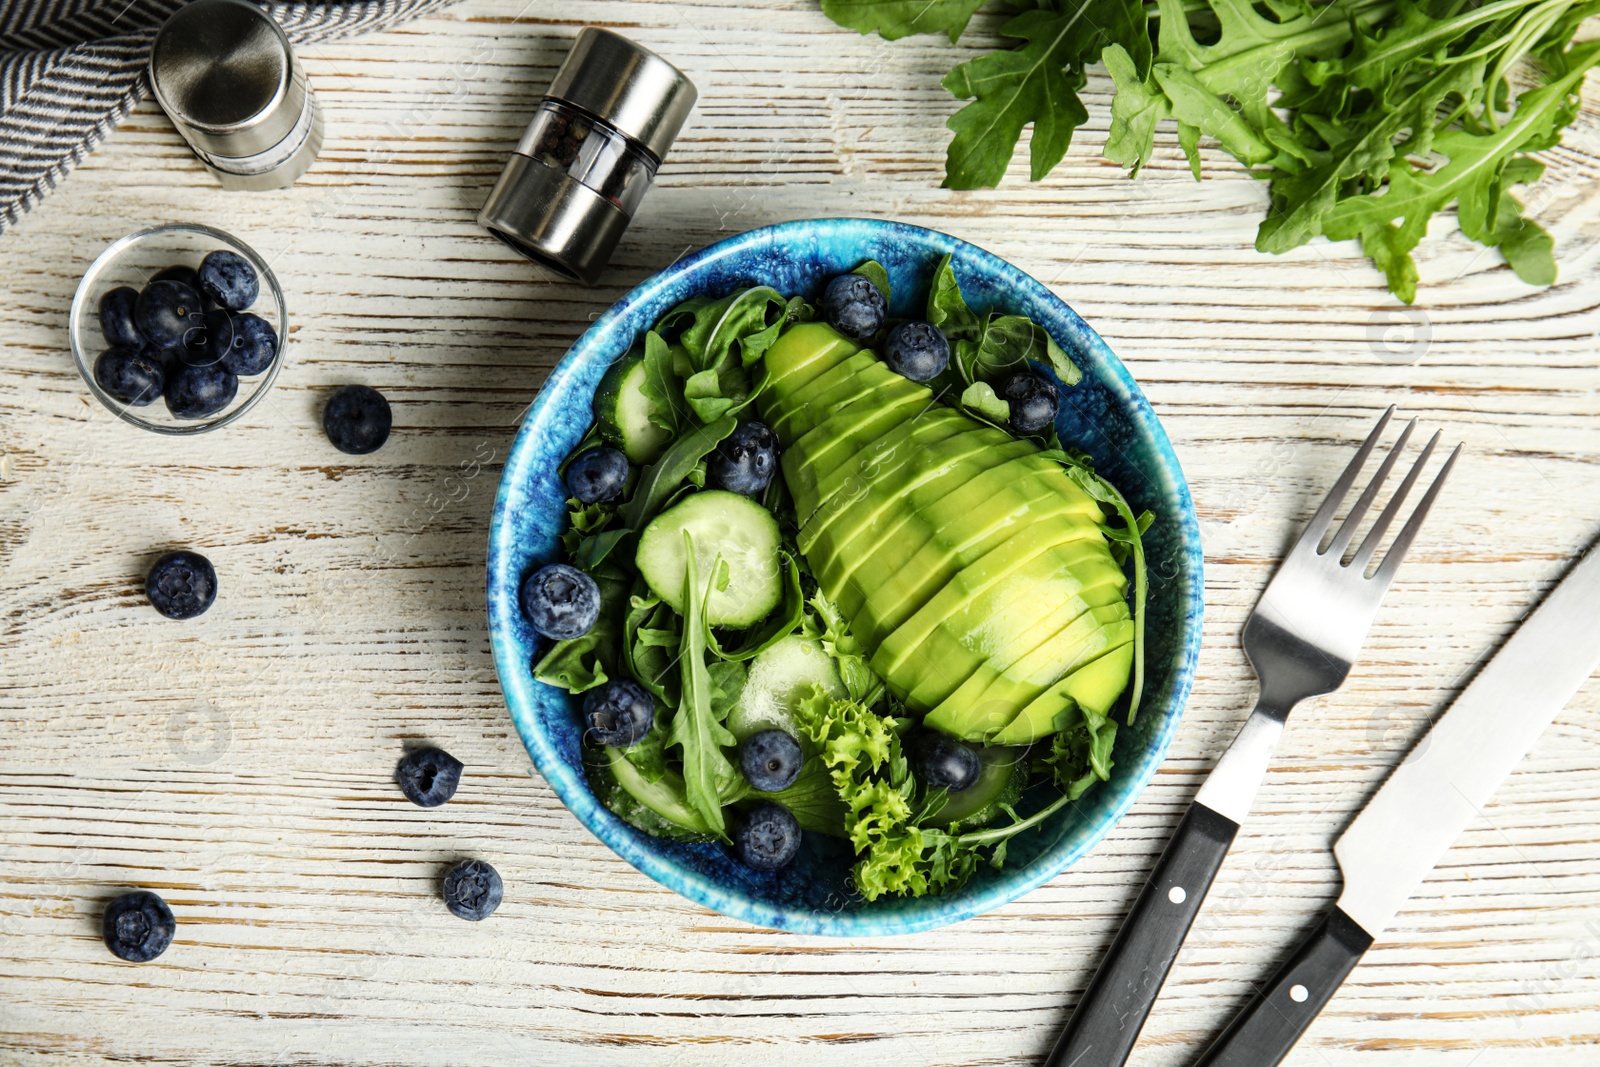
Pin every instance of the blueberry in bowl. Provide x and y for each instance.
(782, 610)
(167, 295)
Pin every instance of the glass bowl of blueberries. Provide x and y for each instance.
(179, 329)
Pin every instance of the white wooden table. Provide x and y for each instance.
(240, 764)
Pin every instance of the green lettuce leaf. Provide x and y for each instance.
(893, 19)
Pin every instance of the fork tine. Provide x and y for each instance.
(1369, 544)
(1330, 504)
(1347, 529)
(1397, 551)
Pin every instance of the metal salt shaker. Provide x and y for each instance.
(225, 73)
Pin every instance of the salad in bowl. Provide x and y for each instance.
(833, 600)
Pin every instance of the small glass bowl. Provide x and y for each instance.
(132, 261)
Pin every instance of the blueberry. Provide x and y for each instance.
(767, 838)
(472, 890)
(945, 763)
(746, 460)
(918, 350)
(770, 760)
(597, 475)
(357, 420)
(854, 306)
(1033, 399)
(178, 273)
(229, 279)
(619, 712)
(244, 343)
(168, 313)
(428, 776)
(117, 320)
(196, 392)
(181, 585)
(138, 927)
(561, 602)
(131, 376)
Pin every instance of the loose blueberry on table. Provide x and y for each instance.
(428, 776)
(918, 350)
(560, 601)
(854, 306)
(228, 278)
(619, 712)
(597, 475)
(746, 461)
(138, 926)
(357, 420)
(181, 585)
(133, 376)
(767, 837)
(472, 890)
(1033, 400)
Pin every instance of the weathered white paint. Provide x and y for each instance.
(240, 764)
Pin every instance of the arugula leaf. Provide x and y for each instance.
(873, 272)
(979, 399)
(735, 330)
(946, 307)
(812, 800)
(1474, 176)
(661, 383)
(1009, 342)
(650, 640)
(1080, 755)
(662, 478)
(893, 19)
(649, 755)
(697, 727)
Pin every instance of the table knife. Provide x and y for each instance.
(1423, 807)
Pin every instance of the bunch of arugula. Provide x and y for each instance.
(1368, 117)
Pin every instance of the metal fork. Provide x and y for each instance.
(1302, 639)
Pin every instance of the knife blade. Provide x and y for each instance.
(1424, 805)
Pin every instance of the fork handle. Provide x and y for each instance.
(1108, 1019)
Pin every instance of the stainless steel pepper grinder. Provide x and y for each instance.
(225, 73)
(589, 154)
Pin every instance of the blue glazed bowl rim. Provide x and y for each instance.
(568, 782)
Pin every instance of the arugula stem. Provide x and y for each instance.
(1001, 833)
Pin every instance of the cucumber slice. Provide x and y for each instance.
(1001, 781)
(719, 524)
(779, 679)
(659, 808)
(622, 412)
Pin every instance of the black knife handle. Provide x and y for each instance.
(1263, 1034)
(1108, 1019)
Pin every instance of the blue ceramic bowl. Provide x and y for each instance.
(1105, 414)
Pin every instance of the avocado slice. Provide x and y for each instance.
(990, 622)
(907, 556)
(893, 658)
(1096, 685)
(660, 808)
(803, 351)
(851, 480)
(992, 696)
(863, 378)
(925, 474)
(837, 437)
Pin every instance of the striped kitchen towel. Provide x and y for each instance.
(70, 70)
